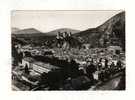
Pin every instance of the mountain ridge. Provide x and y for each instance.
(112, 28)
(27, 31)
(14, 29)
(111, 32)
(54, 32)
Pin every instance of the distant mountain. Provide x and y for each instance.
(14, 29)
(38, 38)
(27, 31)
(112, 32)
(68, 30)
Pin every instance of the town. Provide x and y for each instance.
(68, 52)
(66, 68)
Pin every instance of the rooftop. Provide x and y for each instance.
(45, 65)
(29, 59)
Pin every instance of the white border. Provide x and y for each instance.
(5, 47)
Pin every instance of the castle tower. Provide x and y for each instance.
(58, 35)
(69, 34)
(64, 34)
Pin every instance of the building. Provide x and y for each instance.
(41, 67)
(114, 49)
(37, 66)
(86, 46)
(27, 61)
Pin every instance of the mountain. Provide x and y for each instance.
(111, 32)
(116, 22)
(30, 36)
(68, 30)
(14, 29)
(27, 31)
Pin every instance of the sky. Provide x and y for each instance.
(46, 21)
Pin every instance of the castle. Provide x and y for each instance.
(63, 39)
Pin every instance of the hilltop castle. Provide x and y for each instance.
(63, 40)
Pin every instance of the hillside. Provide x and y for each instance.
(14, 29)
(68, 30)
(26, 31)
(112, 32)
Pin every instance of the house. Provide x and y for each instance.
(114, 49)
(96, 75)
(86, 46)
(27, 61)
